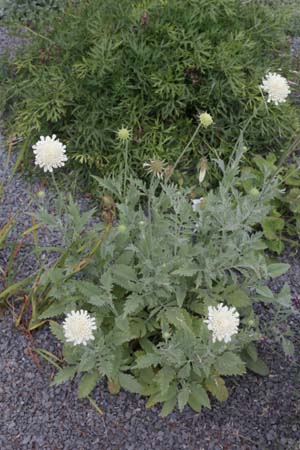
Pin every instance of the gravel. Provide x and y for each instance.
(262, 412)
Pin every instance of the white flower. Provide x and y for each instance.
(78, 327)
(196, 202)
(223, 322)
(49, 153)
(276, 87)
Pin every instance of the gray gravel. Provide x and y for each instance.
(261, 413)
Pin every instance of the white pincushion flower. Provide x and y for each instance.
(223, 322)
(78, 327)
(276, 87)
(49, 153)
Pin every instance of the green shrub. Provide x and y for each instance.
(149, 280)
(151, 66)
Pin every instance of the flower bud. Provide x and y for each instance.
(254, 192)
(41, 194)
(122, 228)
(205, 119)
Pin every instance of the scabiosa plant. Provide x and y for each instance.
(172, 296)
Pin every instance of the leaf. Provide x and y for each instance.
(130, 383)
(168, 406)
(288, 346)
(181, 291)
(87, 362)
(186, 271)
(164, 378)
(183, 397)
(238, 298)
(265, 292)
(148, 360)
(124, 276)
(229, 364)
(283, 298)
(277, 269)
(56, 309)
(87, 383)
(216, 385)
(57, 330)
(64, 374)
(259, 366)
(198, 398)
(272, 226)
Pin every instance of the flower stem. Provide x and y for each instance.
(183, 152)
(125, 165)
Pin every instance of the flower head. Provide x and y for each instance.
(123, 134)
(205, 119)
(276, 87)
(157, 167)
(49, 153)
(223, 322)
(78, 327)
(196, 203)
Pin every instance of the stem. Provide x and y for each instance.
(125, 165)
(183, 152)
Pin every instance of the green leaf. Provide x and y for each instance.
(87, 362)
(164, 378)
(87, 383)
(259, 366)
(288, 346)
(148, 360)
(181, 291)
(277, 269)
(238, 298)
(168, 406)
(229, 364)
(198, 398)
(124, 276)
(57, 330)
(186, 271)
(130, 383)
(265, 292)
(272, 226)
(64, 374)
(216, 385)
(183, 397)
(56, 309)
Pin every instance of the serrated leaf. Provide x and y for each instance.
(124, 276)
(288, 346)
(216, 385)
(87, 362)
(57, 330)
(164, 378)
(168, 406)
(64, 374)
(87, 383)
(148, 360)
(259, 366)
(181, 291)
(186, 271)
(238, 298)
(55, 310)
(183, 397)
(229, 364)
(133, 304)
(130, 383)
(198, 398)
(277, 269)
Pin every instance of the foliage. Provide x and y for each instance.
(149, 279)
(28, 10)
(151, 66)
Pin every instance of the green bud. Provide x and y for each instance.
(122, 228)
(251, 323)
(41, 194)
(166, 335)
(254, 192)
